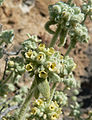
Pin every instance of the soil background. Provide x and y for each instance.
(31, 19)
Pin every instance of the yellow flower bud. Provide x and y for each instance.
(59, 111)
(11, 63)
(74, 67)
(34, 111)
(56, 104)
(52, 66)
(39, 102)
(50, 51)
(54, 116)
(4, 118)
(43, 74)
(28, 54)
(29, 67)
(41, 57)
(51, 107)
(41, 47)
(61, 57)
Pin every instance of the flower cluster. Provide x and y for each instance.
(87, 8)
(43, 110)
(61, 98)
(70, 21)
(16, 65)
(79, 33)
(61, 12)
(46, 64)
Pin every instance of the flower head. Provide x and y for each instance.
(43, 74)
(41, 47)
(51, 66)
(28, 54)
(29, 67)
(52, 107)
(34, 111)
(41, 57)
(54, 116)
(11, 63)
(50, 51)
(39, 102)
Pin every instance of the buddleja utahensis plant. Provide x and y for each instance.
(46, 67)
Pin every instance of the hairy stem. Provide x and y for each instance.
(14, 77)
(53, 41)
(63, 35)
(47, 26)
(84, 18)
(8, 78)
(70, 2)
(25, 105)
(53, 91)
(72, 45)
(6, 62)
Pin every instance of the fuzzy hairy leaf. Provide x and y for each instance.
(44, 88)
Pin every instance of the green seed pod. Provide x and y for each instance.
(36, 93)
(76, 92)
(74, 98)
(44, 88)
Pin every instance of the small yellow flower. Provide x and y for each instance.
(50, 51)
(11, 63)
(43, 74)
(51, 66)
(29, 67)
(54, 116)
(74, 67)
(34, 111)
(56, 104)
(41, 57)
(39, 102)
(28, 54)
(41, 47)
(52, 107)
(59, 111)
(61, 57)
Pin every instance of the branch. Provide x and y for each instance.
(8, 110)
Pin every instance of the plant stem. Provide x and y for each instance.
(53, 41)
(47, 27)
(8, 78)
(25, 105)
(72, 45)
(14, 78)
(70, 2)
(84, 18)
(69, 49)
(6, 62)
(53, 91)
(63, 35)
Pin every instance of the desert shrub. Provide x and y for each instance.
(46, 67)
